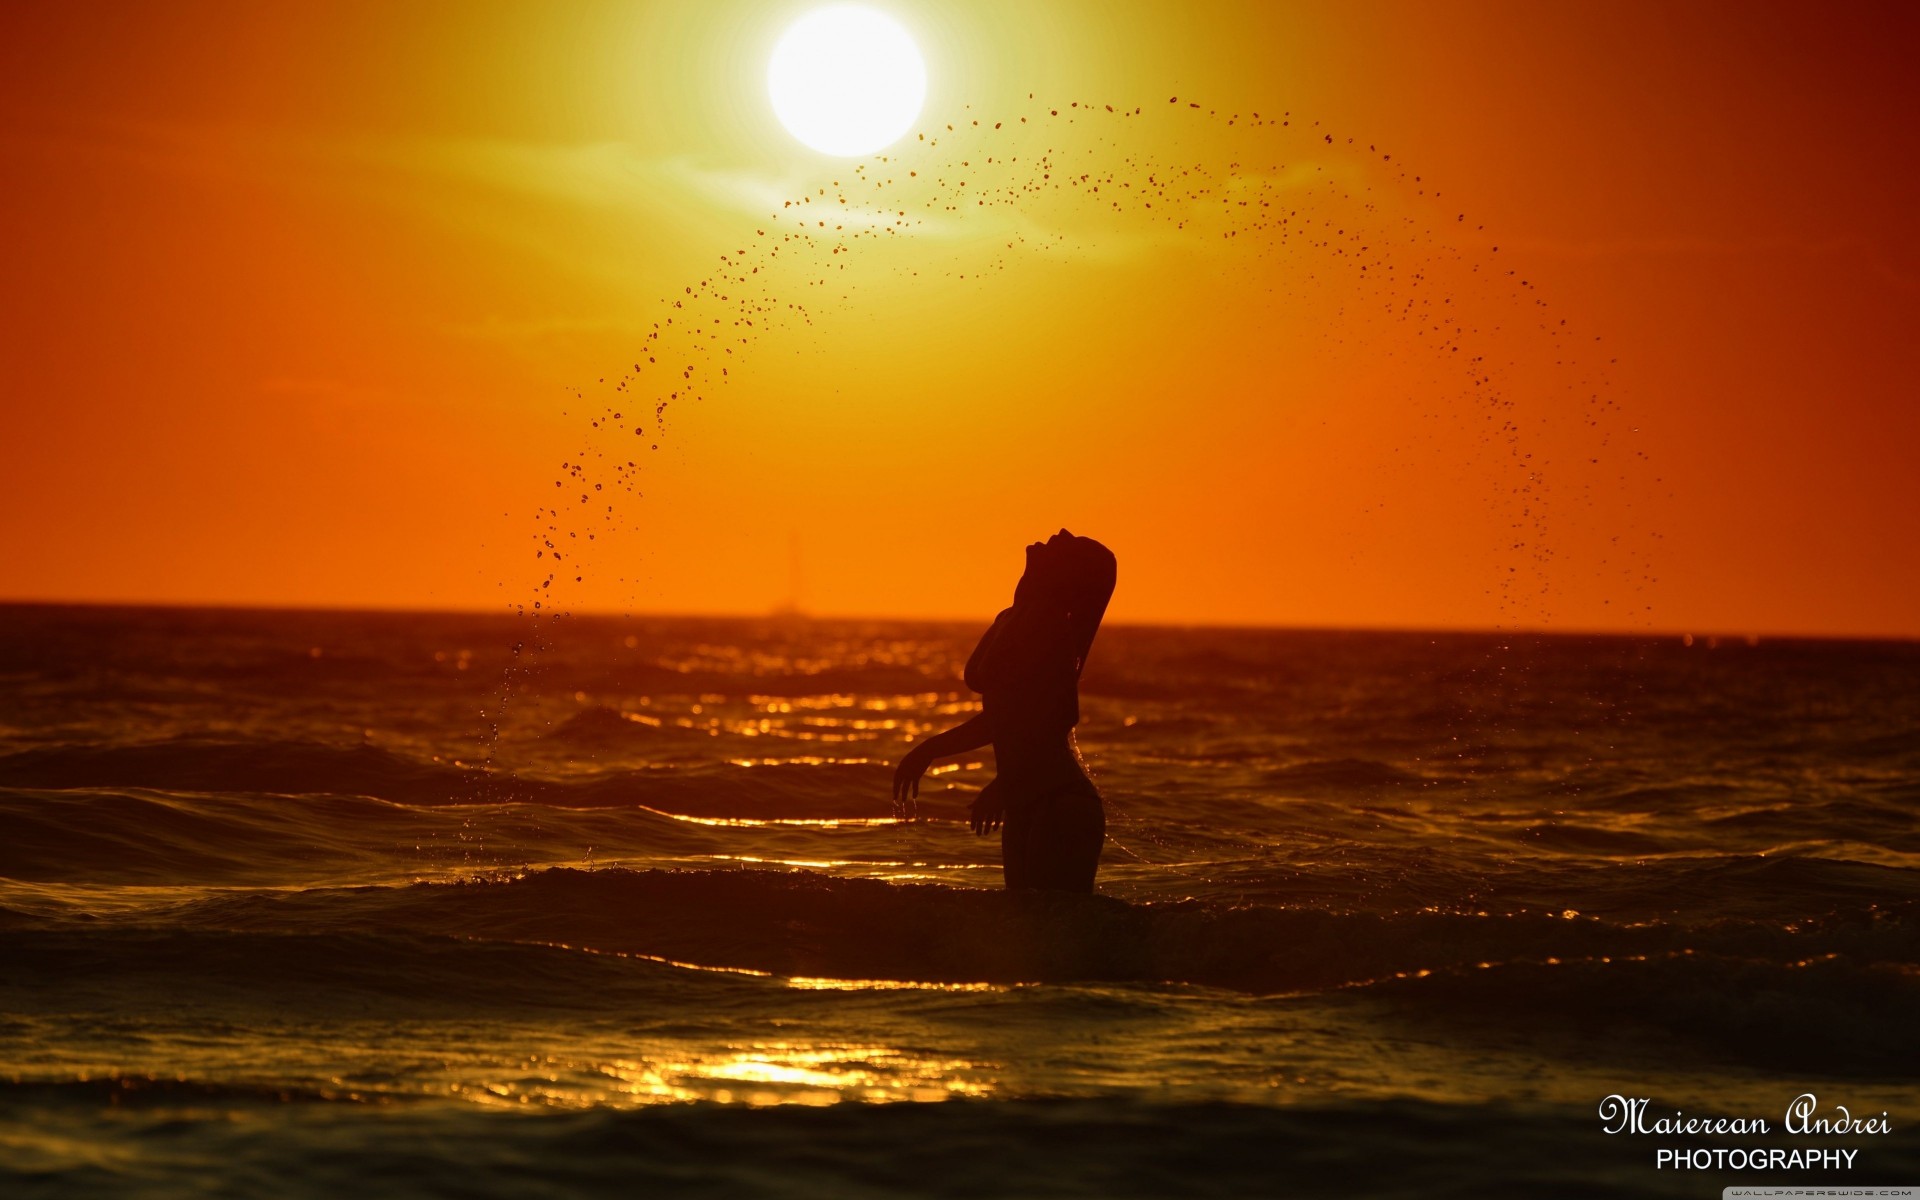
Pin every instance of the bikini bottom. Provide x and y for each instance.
(1051, 840)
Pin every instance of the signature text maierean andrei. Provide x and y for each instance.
(1804, 1117)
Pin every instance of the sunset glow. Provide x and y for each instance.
(276, 340)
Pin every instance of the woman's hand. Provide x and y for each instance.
(988, 811)
(906, 776)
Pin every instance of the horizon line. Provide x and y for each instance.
(802, 615)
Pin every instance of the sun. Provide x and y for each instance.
(847, 80)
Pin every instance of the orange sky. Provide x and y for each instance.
(299, 297)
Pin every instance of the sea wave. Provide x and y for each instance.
(1830, 998)
(1069, 1147)
(390, 972)
(1346, 776)
(304, 768)
(800, 923)
(1831, 1014)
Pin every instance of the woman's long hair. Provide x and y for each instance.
(1090, 571)
(1050, 628)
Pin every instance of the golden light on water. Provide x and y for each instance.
(847, 80)
(810, 983)
(815, 822)
(759, 1074)
(864, 1072)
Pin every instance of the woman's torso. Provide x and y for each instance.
(1029, 686)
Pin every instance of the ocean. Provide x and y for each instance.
(309, 904)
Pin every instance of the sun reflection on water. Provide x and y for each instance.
(757, 1074)
(822, 822)
(823, 984)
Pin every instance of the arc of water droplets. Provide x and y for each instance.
(1295, 188)
(795, 263)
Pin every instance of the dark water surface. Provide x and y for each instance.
(1383, 914)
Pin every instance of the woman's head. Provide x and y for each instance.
(1045, 551)
(1056, 611)
(1069, 566)
(1074, 576)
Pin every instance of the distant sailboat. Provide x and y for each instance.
(789, 609)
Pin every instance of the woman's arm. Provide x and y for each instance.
(971, 734)
(968, 735)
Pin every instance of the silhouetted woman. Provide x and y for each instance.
(1027, 671)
